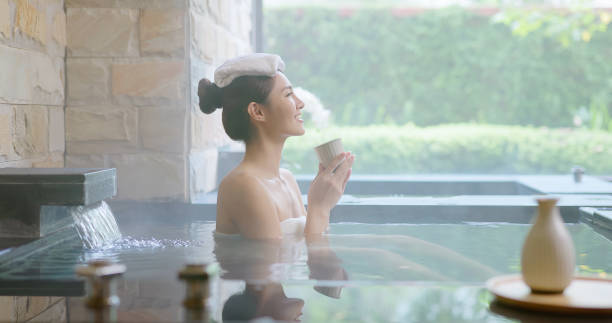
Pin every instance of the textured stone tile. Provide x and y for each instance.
(88, 81)
(6, 135)
(149, 80)
(31, 21)
(160, 4)
(53, 160)
(28, 307)
(163, 129)
(203, 37)
(207, 130)
(150, 176)
(203, 171)
(30, 78)
(7, 309)
(102, 32)
(85, 161)
(5, 19)
(57, 136)
(162, 32)
(54, 313)
(59, 28)
(30, 131)
(101, 123)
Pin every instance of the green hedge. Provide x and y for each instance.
(458, 148)
(440, 66)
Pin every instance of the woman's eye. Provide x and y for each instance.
(290, 94)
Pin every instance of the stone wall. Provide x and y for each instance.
(32, 50)
(132, 72)
(32, 309)
(219, 30)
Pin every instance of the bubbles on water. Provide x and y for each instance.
(128, 242)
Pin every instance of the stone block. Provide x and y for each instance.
(85, 161)
(213, 7)
(54, 313)
(162, 32)
(246, 25)
(147, 177)
(163, 129)
(7, 309)
(30, 128)
(30, 21)
(6, 133)
(59, 28)
(53, 160)
(225, 14)
(159, 4)
(28, 307)
(57, 136)
(30, 78)
(148, 83)
(203, 37)
(207, 130)
(102, 32)
(88, 81)
(5, 19)
(203, 171)
(101, 124)
(101, 147)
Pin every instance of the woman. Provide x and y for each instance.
(258, 199)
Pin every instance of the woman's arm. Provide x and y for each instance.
(325, 191)
(242, 198)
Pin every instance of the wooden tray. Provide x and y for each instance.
(585, 295)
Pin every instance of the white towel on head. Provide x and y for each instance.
(258, 64)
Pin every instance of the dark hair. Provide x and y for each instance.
(234, 100)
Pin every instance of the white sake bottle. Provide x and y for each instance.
(548, 257)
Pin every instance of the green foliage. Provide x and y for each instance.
(374, 66)
(567, 26)
(459, 148)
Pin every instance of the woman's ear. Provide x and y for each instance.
(256, 111)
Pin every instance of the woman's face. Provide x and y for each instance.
(284, 113)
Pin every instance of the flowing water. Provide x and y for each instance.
(95, 225)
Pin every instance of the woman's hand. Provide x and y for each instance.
(329, 184)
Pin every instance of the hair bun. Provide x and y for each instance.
(210, 96)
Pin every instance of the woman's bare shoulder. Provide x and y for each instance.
(239, 180)
(244, 202)
(286, 174)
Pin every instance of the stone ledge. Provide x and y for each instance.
(24, 192)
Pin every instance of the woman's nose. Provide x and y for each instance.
(300, 104)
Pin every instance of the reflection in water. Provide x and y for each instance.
(254, 261)
(262, 300)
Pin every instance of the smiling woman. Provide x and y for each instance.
(258, 199)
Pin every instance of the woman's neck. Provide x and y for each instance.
(265, 156)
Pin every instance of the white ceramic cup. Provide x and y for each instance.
(328, 151)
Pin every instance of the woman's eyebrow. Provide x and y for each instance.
(288, 87)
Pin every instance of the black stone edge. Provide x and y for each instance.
(85, 175)
(600, 223)
(42, 287)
